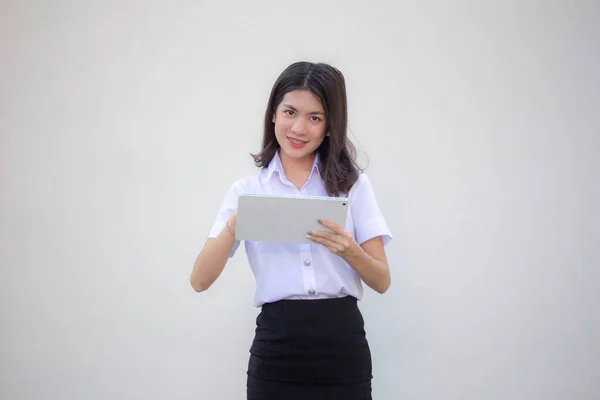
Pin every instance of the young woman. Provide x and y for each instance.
(310, 341)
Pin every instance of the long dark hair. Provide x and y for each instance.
(339, 170)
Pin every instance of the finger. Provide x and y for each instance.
(332, 225)
(340, 241)
(333, 246)
(334, 237)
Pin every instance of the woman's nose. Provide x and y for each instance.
(299, 127)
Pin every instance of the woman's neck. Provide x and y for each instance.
(294, 165)
(297, 171)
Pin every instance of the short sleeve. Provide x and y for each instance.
(229, 205)
(366, 215)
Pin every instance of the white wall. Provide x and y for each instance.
(123, 123)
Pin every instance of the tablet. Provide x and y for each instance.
(276, 218)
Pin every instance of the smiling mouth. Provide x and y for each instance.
(296, 141)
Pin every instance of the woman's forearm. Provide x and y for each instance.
(212, 260)
(375, 273)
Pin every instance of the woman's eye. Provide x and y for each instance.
(315, 118)
(289, 112)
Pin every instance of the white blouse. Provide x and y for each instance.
(304, 271)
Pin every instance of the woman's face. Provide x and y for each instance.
(299, 124)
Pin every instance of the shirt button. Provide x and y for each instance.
(307, 262)
(312, 292)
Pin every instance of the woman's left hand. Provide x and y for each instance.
(339, 241)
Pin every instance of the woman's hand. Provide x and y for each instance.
(231, 222)
(233, 219)
(368, 260)
(339, 241)
(214, 255)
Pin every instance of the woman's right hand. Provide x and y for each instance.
(214, 255)
(231, 223)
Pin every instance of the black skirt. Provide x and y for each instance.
(310, 349)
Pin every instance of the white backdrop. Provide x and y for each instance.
(123, 123)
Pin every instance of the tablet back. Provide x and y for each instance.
(274, 218)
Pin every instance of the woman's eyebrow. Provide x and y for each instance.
(295, 109)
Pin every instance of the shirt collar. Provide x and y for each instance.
(276, 166)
